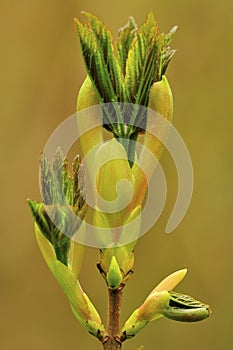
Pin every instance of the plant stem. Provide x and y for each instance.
(112, 340)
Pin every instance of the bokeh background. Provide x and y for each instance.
(41, 72)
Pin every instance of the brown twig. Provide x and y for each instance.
(112, 340)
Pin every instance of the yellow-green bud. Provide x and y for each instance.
(114, 276)
(185, 308)
(164, 302)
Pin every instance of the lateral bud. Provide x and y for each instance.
(163, 302)
(185, 308)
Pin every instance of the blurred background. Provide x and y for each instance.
(41, 73)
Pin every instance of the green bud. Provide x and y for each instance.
(114, 276)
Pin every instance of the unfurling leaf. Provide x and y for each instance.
(164, 302)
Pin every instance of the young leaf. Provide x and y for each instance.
(97, 50)
(141, 62)
(127, 35)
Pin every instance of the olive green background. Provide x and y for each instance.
(41, 72)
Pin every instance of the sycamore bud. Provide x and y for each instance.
(164, 302)
(185, 308)
(114, 276)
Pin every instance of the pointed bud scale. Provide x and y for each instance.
(93, 327)
(151, 310)
(114, 182)
(46, 249)
(124, 253)
(130, 232)
(153, 307)
(171, 281)
(100, 219)
(86, 119)
(114, 276)
(58, 269)
(160, 98)
(161, 102)
(132, 326)
(113, 167)
(87, 95)
(132, 228)
(141, 183)
(95, 317)
(77, 253)
(102, 237)
(89, 124)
